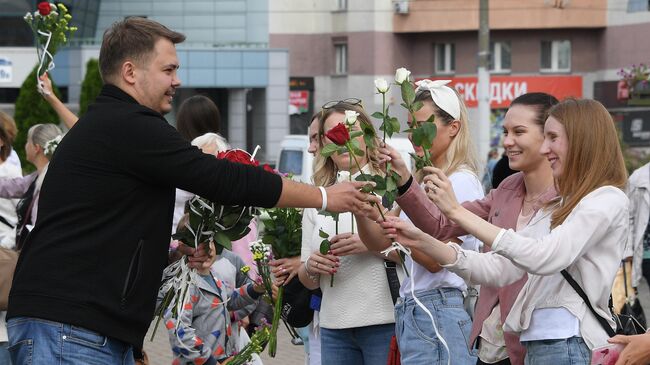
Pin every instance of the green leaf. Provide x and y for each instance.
(329, 149)
(355, 134)
(417, 137)
(324, 247)
(369, 135)
(417, 105)
(394, 122)
(429, 131)
(408, 93)
(378, 115)
(221, 239)
(323, 234)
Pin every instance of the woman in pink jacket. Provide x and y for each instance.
(515, 200)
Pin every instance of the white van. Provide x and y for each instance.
(295, 159)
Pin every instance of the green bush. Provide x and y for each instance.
(31, 109)
(91, 86)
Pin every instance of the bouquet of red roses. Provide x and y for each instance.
(209, 223)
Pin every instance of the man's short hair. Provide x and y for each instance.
(133, 39)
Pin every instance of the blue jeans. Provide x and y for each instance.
(34, 341)
(566, 351)
(416, 337)
(4, 354)
(359, 345)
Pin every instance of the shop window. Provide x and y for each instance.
(341, 58)
(634, 6)
(445, 58)
(500, 57)
(556, 56)
(341, 5)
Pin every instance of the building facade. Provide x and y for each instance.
(226, 56)
(566, 48)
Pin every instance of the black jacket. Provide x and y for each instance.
(96, 255)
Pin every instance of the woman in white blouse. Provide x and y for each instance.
(356, 313)
(584, 232)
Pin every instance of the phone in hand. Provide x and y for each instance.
(606, 355)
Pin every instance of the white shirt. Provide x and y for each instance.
(8, 208)
(360, 296)
(467, 187)
(589, 244)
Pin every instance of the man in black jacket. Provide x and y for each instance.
(85, 286)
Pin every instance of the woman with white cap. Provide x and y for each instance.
(440, 291)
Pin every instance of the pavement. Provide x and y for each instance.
(159, 351)
(160, 354)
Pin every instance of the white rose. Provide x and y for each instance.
(28, 17)
(351, 117)
(52, 7)
(401, 75)
(381, 85)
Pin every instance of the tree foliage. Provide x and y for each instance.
(91, 86)
(31, 109)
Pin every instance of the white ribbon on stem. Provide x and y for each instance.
(41, 55)
(396, 246)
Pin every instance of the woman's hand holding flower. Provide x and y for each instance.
(284, 269)
(439, 190)
(405, 233)
(388, 154)
(347, 244)
(320, 264)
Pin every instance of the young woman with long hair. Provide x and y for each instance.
(356, 313)
(511, 205)
(584, 232)
(438, 289)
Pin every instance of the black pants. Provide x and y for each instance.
(502, 362)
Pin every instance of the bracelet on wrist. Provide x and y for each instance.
(310, 275)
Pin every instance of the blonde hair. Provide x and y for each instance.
(461, 153)
(324, 168)
(594, 158)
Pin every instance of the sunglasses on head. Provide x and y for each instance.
(333, 103)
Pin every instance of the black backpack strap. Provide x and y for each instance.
(581, 293)
(393, 279)
(6, 222)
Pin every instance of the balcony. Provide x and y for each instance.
(463, 15)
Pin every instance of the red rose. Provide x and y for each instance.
(339, 134)
(44, 8)
(238, 156)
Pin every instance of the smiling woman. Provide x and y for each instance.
(581, 142)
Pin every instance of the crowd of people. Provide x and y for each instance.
(542, 247)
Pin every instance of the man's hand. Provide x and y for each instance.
(346, 197)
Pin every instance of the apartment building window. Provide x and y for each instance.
(500, 57)
(341, 5)
(341, 54)
(556, 56)
(445, 58)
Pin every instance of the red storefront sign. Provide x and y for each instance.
(299, 99)
(504, 89)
